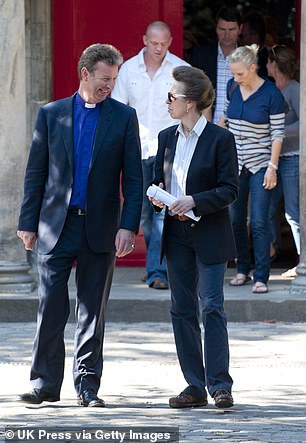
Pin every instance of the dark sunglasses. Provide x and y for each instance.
(172, 97)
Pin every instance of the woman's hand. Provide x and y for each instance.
(156, 202)
(270, 179)
(182, 205)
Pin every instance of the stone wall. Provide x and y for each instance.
(12, 123)
(38, 47)
(25, 84)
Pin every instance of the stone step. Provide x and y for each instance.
(132, 301)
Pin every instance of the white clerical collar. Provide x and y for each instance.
(90, 105)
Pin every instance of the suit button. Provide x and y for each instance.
(192, 225)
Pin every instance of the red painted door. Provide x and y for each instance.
(80, 23)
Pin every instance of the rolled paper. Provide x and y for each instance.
(167, 199)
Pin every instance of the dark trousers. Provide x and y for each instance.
(93, 278)
(191, 280)
(152, 227)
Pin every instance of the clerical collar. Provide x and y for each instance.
(80, 101)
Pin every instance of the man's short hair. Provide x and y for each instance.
(99, 52)
(158, 24)
(229, 15)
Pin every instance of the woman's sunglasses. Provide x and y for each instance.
(172, 97)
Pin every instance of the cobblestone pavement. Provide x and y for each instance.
(141, 371)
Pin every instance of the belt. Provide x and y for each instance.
(181, 218)
(76, 211)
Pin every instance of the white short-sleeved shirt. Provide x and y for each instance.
(135, 88)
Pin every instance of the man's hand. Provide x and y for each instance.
(124, 242)
(182, 205)
(28, 238)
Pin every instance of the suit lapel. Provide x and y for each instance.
(66, 120)
(169, 157)
(104, 123)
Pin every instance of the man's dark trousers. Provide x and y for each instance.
(93, 277)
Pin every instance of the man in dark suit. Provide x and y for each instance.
(83, 146)
(213, 58)
(197, 163)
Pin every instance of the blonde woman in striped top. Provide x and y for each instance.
(255, 114)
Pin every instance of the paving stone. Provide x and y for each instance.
(141, 372)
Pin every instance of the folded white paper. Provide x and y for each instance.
(166, 198)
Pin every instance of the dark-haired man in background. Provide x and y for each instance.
(213, 58)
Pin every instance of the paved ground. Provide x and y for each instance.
(141, 372)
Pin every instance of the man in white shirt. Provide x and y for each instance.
(143, 83)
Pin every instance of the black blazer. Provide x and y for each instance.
(49, 175)
(212, 180)
(206, 58)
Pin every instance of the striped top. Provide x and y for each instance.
(255, 123)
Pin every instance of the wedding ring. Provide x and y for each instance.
(133, 246)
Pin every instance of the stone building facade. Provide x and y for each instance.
(25, 57)
(26, 84)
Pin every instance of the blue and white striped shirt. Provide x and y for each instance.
(255, 123)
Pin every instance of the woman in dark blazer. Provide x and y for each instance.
(196, 162)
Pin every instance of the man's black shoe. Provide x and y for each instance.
(37, 396)
(187, 399)
(223, 399)
(90, 399)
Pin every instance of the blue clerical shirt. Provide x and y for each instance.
(85, 123)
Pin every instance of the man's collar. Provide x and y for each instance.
(81, 102)
(141, 61)
(220, 52)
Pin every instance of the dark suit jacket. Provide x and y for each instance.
(49, 175)
(212, 180)
(206, 58)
